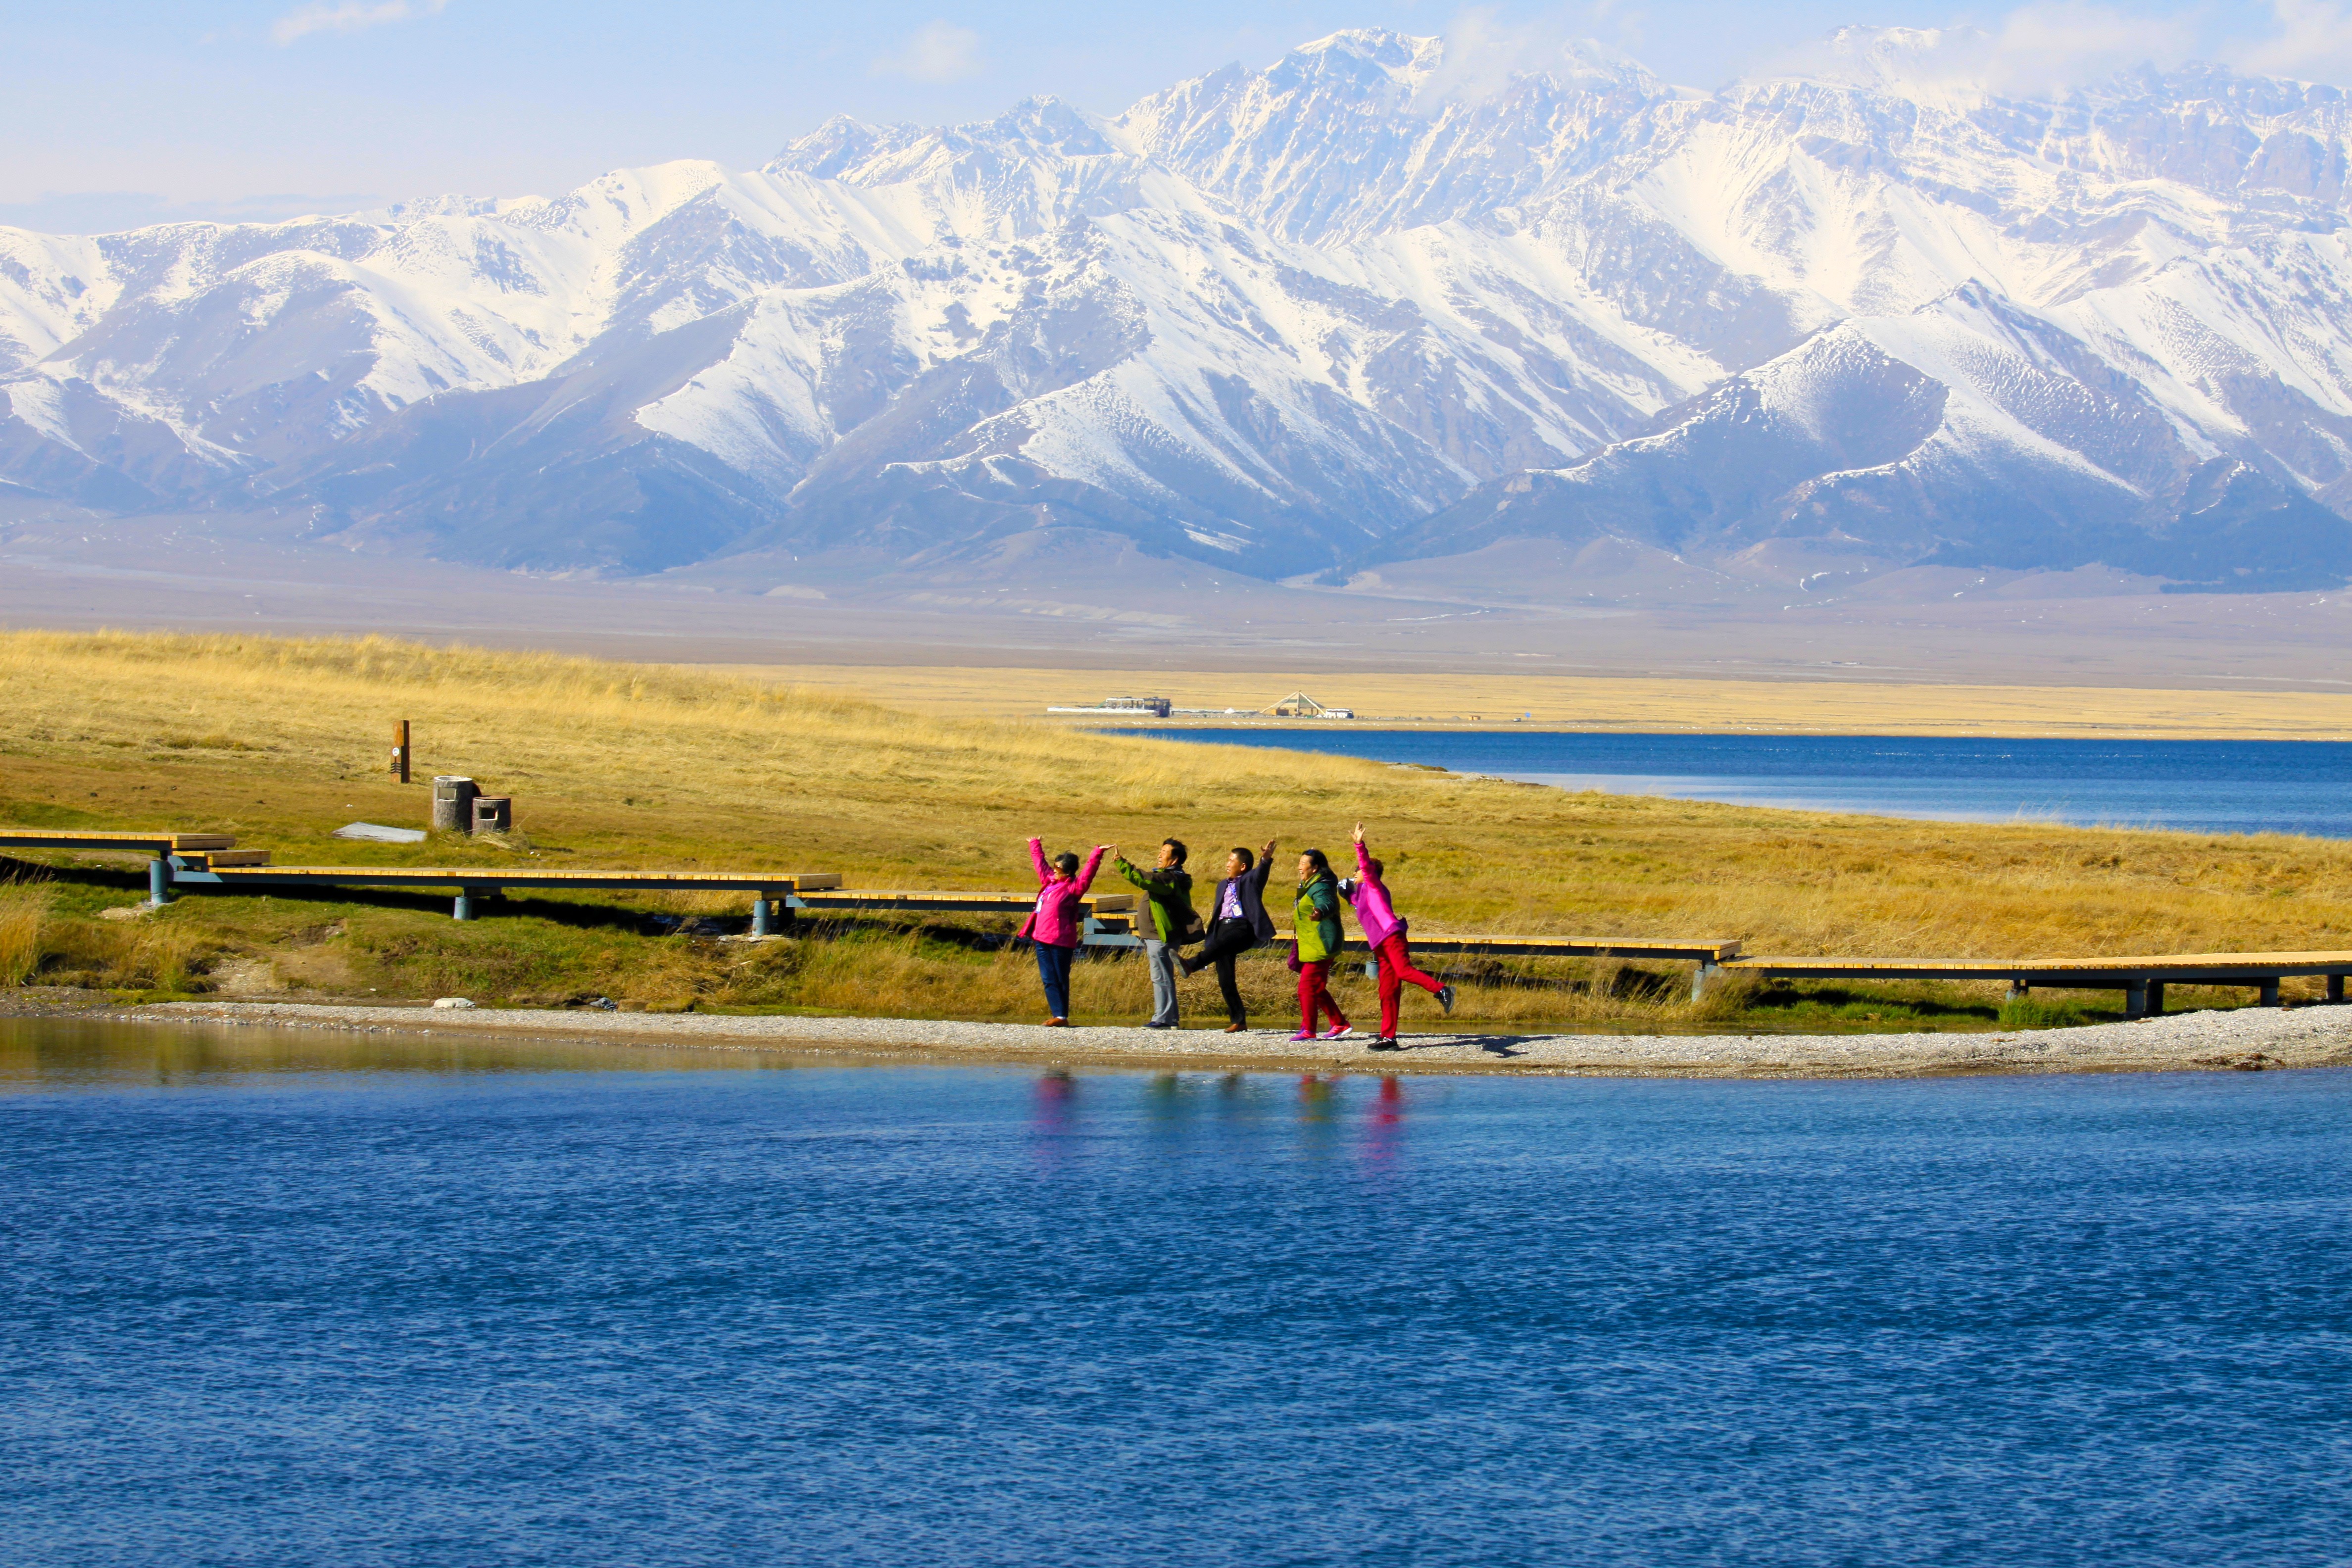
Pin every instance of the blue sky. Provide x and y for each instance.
(119, 112)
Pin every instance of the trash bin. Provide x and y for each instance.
(453, 804)
(494, 814)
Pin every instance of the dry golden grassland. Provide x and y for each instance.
(1628, 704)
(633, 767)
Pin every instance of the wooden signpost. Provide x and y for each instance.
(400, 749)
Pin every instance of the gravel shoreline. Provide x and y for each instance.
(2248, 1038)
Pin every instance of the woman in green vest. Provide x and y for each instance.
(1315, 921)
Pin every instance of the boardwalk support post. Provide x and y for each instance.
(159, 881)
(760, 916)
(2018, 989)
(2155, 997)
(2136, 999)
(464, 908)
(2270, 994)
(2336, 988)
(1705, 975)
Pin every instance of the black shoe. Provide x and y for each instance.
(1158, 1026)
(1385, 1043)
(1446, 999)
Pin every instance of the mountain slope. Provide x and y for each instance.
(1366, 304)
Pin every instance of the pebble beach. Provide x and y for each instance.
(2244, 1039)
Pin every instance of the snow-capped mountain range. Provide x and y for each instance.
(1294, 320)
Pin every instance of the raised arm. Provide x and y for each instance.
(1363, 855)
(1037, 858)
(1094, 863)
(1255, 876)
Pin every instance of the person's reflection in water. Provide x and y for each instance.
(1167, 1108)
(1317, 1099)
(1235, 1111)
(1384, 1129)
(1057, 1119)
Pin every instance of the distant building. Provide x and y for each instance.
(1298, 705)
(1158, 707)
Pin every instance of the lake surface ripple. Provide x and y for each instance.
(279, 1298)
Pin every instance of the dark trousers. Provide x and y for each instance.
(1054, 971)
(1226, 940)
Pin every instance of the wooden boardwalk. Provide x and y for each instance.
(1709, 950)
(2140, 977)
(156, 843)
(212, 862)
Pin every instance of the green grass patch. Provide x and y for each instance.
(2033, 1012)
(1828, 1008)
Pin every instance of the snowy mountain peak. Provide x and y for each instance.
(1400, 58)
(1388, 295)
(1900, 59)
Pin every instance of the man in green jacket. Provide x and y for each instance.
(1168, 890)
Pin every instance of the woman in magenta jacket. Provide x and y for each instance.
(1384, 934)
(1058, 921)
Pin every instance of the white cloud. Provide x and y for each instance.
(2048, 49)
(938, 51)
(1485, 55)
(2035, 51)
(348, 16)
(2313, 42)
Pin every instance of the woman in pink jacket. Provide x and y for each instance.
(1058, 921)
(1384, 934)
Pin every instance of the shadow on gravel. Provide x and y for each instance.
(1493, 1045)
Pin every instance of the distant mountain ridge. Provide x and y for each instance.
(1327, 315)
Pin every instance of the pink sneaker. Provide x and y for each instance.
(1304, 1035)
(1340, 1032)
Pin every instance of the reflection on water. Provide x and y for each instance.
(1183, 1109)
(306, 1297)
(53, 1054)
(83, 1052)
(1384, 1126)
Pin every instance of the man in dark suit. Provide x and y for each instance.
(1237, 922)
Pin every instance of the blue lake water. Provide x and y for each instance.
(2207, 787)
(296, 1299)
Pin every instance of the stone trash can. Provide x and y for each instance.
(453, 804)
(494, 814)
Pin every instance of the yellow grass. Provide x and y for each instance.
(1622, 703)
(24, 916)
(612, 764)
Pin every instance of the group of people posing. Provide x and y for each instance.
(1237, 922)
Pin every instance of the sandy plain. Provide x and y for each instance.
(1053, 619)
(1627, 703)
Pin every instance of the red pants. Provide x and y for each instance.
(1314, 995)
(1396, 968)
